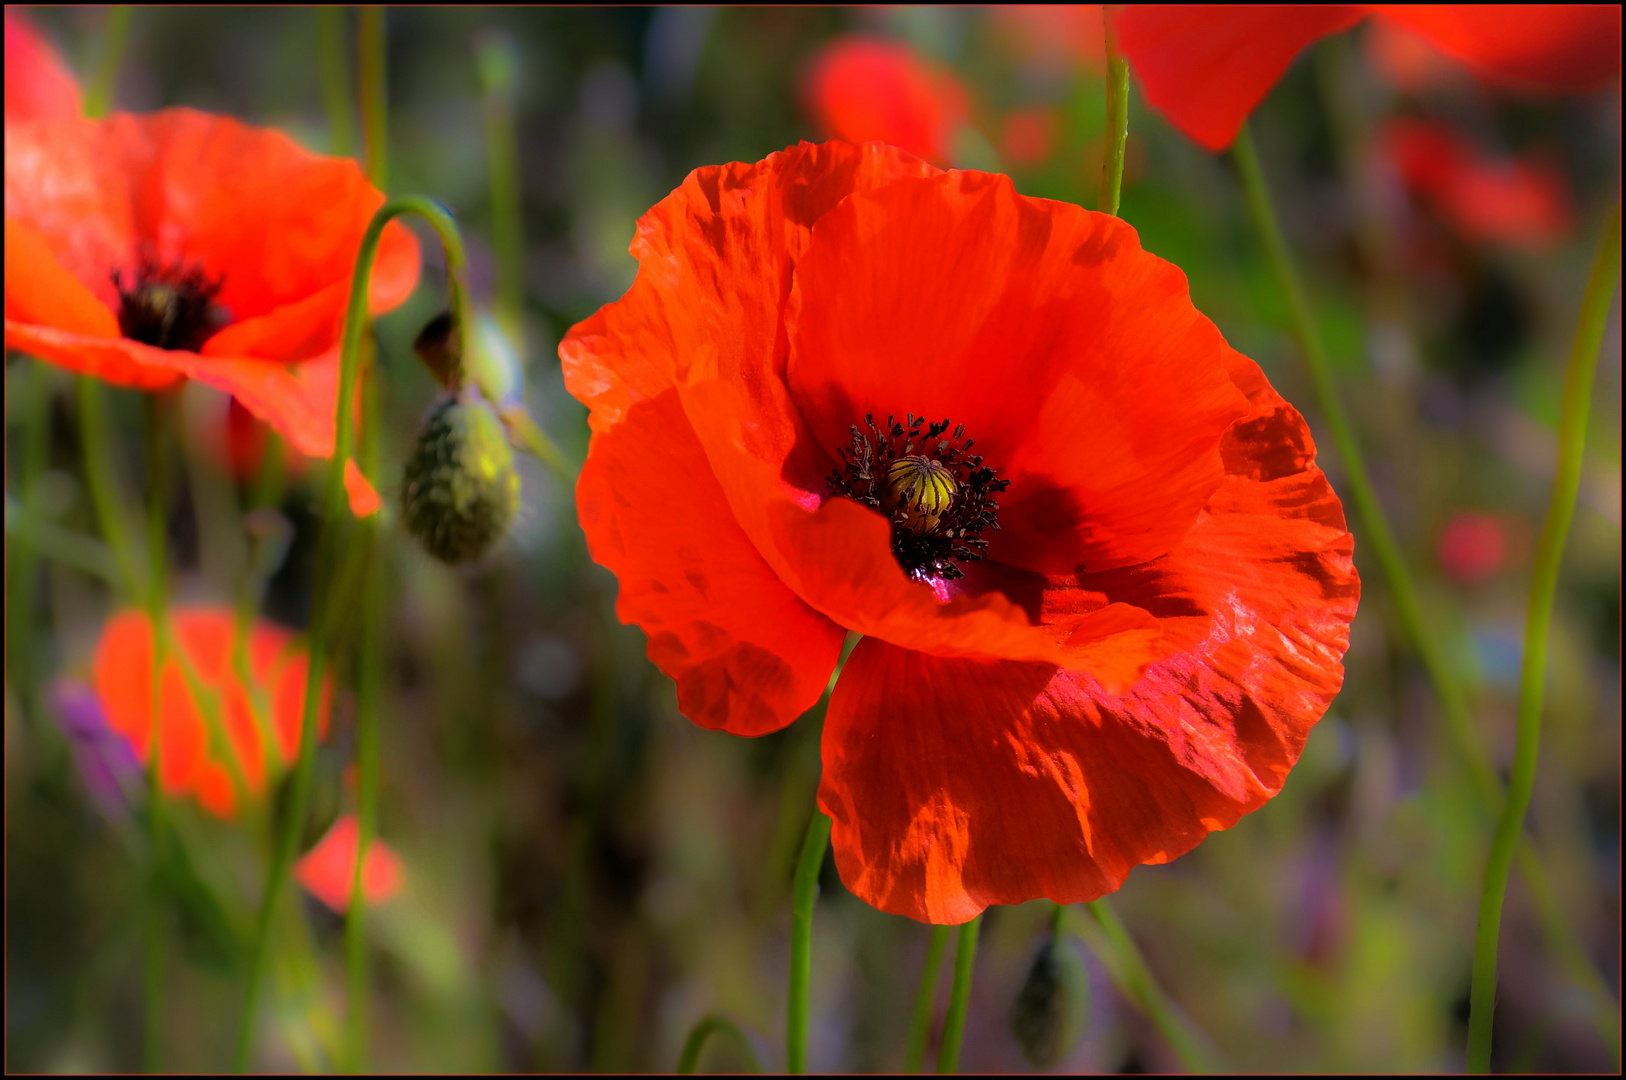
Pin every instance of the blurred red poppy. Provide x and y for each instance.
(260, 720)
(39, 85)
(1052, 33)
(859, 89)
(1104, 590)
(1514, 202)
(328, 870)
(1472, 547)
(1206, 67)
(1029, 136)
(148, 249)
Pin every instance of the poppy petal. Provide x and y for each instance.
(363, 497)
(1205, 67)
(39, 85)
(1073, 357)
(328, 870)
(714, 265)
(748, 657)
(41, 292)
(1565, 48)
(955, 783)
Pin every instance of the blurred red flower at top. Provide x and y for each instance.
(859, 89)
(1068, 33)
(38, 84)
(181, 245)
(1206, 67)
(1104, 590)
(328, 870)
(261, 720)
(1515, 202)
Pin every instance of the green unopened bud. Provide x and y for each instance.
(460, 490)
(1053, 1007)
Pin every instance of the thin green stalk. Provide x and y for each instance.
(369, 691)
(111, 514)
(374, 103)
(1112, 157)
(689, 1059)
(965, 962)
(159, 432)
(99, 90)
(499, 76)
(38, 536)
(1577, 404)
(920, 1025)
(335, 79)
(1124, 960)
(806, 891)
(534, 439)
(334, 515)
(1560, 931)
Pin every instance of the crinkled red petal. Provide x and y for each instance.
(956, 783)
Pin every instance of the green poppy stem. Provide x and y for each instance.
(1577, 404)
(804, 893)
(920, 1025)
(99, 90)
(1560, 931)
(689, 1059)
(374, 99)
(1117, 133)
(333, 521)
(965, 962)
(499, 77)
(335, 79)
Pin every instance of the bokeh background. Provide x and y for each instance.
(587, 873)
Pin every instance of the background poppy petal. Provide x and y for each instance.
(328, 870)
(748, 657)
(1074, 358)
(40, 292)
(1565, 48)
(1205, 67)
(39, 85)
(861, 89)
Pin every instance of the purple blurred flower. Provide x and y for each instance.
(106, 761)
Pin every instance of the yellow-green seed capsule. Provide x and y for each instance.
(460, 488)
(922, 488)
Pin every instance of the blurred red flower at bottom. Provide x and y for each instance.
(1472, 547)
(260, 720)
(328, 870)
(1520, 202)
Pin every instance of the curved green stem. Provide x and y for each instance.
(1560, 931)
(374, 106)
(111, 514)
(806, 891)
(499, 75)
(920, 1025)
(708, 1026)
(1577, 404)
(333, 519)
(335, 79)
(1117, 133)
(965, 962)
(369, 691)
(99, 90)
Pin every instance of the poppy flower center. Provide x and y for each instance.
(168, 307)
(937, 494)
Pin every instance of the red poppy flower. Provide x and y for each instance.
(1029, 136)
(148, 249)
(1472, 547)
(1515, 202)
(1206, 67)
(328, 870)
(860, 89)
(1103, 588)
(261, 720)
(39, 85)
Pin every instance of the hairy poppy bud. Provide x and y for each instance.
(1052, 1008)
(460, 489)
